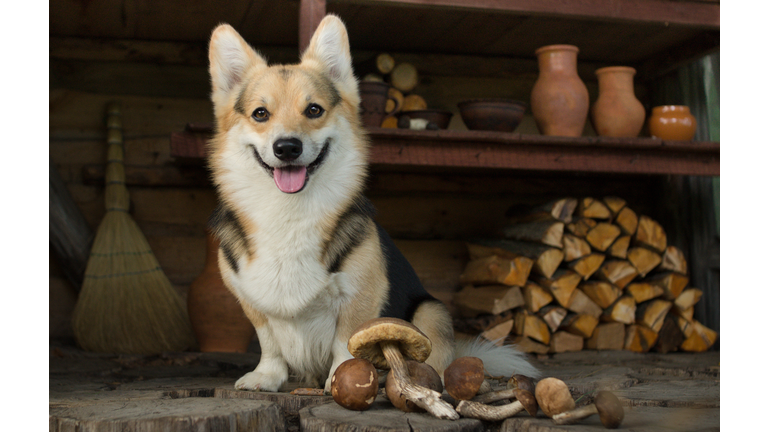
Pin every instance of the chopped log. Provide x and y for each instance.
(617, 272)
(603, 293)
(563, 341)
(688, 298)
(622, 310)
(560, 209)
(553, 315)
(694, 343)
(619, 247)
(495, 269)
(587, 265)
(545, 258)
(530, 325)
(640, 338)
(404, 77)
(626, 220)
(644, 291)
(396, 94)
(614, 204)
(413, 102)
(685, 325)
(582, 304)
(650, 234)
(560, 285)
(527, 345)
(643, 259)
(579, 324)
(672, 283)
(535, 297)
(698, 337)
(684, 313)
(602, 236)
(481, 323)
(652, 313)
(579, 227)
(574, 247)
(490, 299)
(670, 336)
(674, 260)
(607, 336)
(498, 333)
(385, 63)
(548, 232)
(593, 208)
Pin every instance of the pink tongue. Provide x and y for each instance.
(290, 179)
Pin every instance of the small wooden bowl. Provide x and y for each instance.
(437, 116)
(492, 114)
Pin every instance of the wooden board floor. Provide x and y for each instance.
(195, 391)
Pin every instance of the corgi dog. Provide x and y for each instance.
(299, 246)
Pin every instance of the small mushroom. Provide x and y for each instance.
(354, 384)
(465, 378)
(387, 342)
(525, 401)
(517, 381)
(606, 404)
(421, 374)
(554, 397)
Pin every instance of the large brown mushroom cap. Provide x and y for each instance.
(421, 374)
(528, 400)
(354, 384)
(554, 397)
(609, 409)
(464, 377)
(364, 342)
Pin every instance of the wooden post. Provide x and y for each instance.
(311, 12)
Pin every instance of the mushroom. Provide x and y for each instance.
(606, 404)
(525, 401)
(517, 381)
(354, 384)
(421, 374)
(385, 342)
(554, 397)
(465, 378)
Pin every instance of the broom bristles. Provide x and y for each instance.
(127, 304)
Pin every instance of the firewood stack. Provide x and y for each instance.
(574, 274)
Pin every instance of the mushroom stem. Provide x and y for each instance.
(575, 415)
(427, 399)
(495, 396)
(481, 411)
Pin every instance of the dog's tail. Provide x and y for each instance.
(498, 360)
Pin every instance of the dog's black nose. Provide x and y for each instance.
(287, 149)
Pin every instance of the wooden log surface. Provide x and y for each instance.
(548, 232)
(489, 299)
(546, 259)
(607, 336)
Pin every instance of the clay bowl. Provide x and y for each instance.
(502, 115)
(437, 116)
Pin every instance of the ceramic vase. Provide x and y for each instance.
(217, 318)
(559, 98)
(672, 122)
(617, 112)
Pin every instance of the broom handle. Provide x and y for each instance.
(116, 194)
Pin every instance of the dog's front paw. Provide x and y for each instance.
(257, 381)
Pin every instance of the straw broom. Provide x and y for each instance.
(126, 304)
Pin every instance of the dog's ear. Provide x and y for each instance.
(329, 48)
(230, 58)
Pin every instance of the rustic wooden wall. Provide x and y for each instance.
(164, 85)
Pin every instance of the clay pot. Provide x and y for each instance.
(617, 112)
(373, 103)
(672, 122)
(217, 318)
(492, 114)
(559, 98)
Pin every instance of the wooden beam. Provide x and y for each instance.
(311, 12)
(684, 13)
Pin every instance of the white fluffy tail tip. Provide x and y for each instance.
(502, 360)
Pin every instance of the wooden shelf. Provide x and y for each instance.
(450, 149)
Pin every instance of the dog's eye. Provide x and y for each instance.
(260, 114)
(314, 111)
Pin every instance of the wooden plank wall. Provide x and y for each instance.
(164, 85)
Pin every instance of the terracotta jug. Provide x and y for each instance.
(672, 122)
(617, 112)
(217, 318)
(559, 98)
(373, 102)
